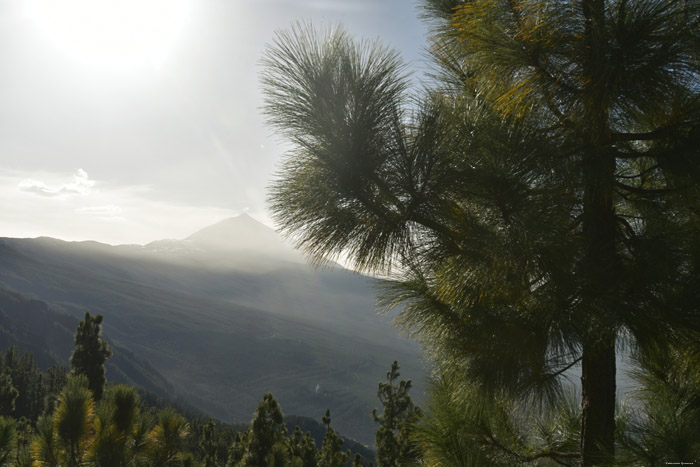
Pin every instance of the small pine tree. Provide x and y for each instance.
(209, 445)
(237, 449)
(303, 448)
(266, 431)
(331, 454)
(8, 436)
(357, 461)
(74, 422)
(54, 381)
(166, 441)
(394, 444)
(8, 395)
(90, 354)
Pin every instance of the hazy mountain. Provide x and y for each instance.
(236, 242)
(227, 314)
(32, 325)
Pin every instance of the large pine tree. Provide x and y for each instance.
(536, 206)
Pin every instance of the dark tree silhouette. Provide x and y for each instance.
(90, 354)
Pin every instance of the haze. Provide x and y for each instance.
(137, 123)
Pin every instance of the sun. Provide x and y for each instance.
(113, 34)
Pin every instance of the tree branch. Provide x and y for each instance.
(559, 372)
(645, 191)
(539, 66)
(649, 135)
(640, 174)
(532, 457)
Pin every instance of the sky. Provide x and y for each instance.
(129, 121)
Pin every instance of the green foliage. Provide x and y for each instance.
(265, 442)
(663, 420)
(303, 448)
(331, 454)
(393, 441)
(8, 395)
(537, 203)
(115, 434)
(25, 432)
(24, 373)
(209, 445)
(91, 353)
(164, 443)
(466, 427)
(8, 440)
(44, 448)
(357, 461)
(237, 449)
(74, 421)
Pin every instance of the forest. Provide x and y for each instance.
(75, 418)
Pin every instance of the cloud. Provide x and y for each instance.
(81, 185)
(109, 213)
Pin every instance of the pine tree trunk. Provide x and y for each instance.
(600, 268)
(600, 271)
(598, 404)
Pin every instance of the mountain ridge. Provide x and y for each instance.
(225, 333)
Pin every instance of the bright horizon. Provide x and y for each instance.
(133, 121)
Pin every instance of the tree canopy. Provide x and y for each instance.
(536, 206)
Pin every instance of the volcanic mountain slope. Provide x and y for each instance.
(32, 325)
(226, 315)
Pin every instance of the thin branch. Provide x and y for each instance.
(640, 174)
(646, 191)
(530, 458)
(567, 367)
(647, 136)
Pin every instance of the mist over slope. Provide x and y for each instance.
(227, 314)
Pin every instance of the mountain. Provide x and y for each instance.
(225, 315)
(243, 235)
(32, 325)
(236, 243)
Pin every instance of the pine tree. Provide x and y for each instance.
(331, 454)
(117, 415)
(303, 447)
(53, 381)
(394, 445)
(45, 447)
(538, 203)
(209, 445)
(8, 395)
(74, 422)
(8, 437)
(90, 354)
(24, 374)
(357, 460)
(237, 449)
(166, 440)
(266, 433)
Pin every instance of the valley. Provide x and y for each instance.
(224, 316)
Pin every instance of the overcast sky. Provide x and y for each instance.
(139, 122)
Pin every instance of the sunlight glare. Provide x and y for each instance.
(114, 34)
